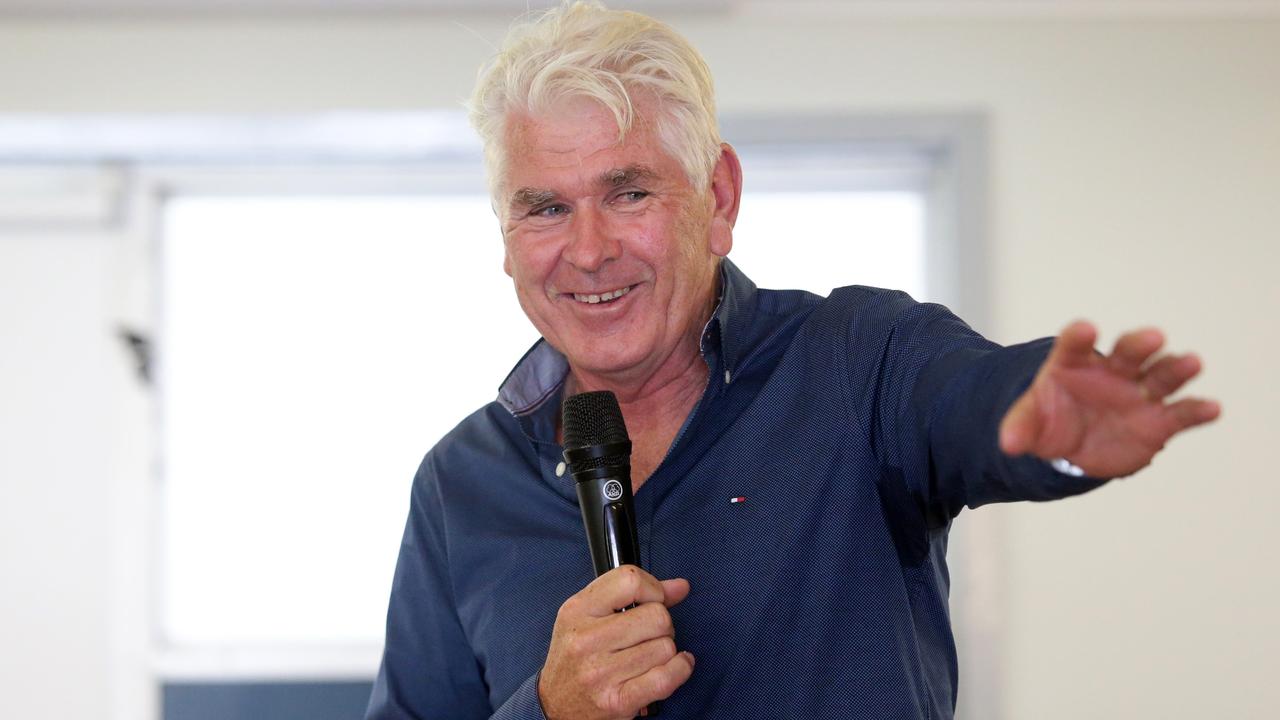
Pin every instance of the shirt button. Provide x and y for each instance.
(560, 470)
(726, 377)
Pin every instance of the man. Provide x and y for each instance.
(856, 427)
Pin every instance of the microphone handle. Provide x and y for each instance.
(609, 516)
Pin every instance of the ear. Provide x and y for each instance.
(726, 191)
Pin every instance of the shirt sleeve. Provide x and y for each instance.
(938, 394)
(428, 669)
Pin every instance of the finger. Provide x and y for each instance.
(674, 591)
(634, 661)
(647, 620)
(1190, 412)
(639, 624)
(657, 683)
(1074, 345)
(1133, 349)
(1166, 375)
(618, 588)
(1021, 426)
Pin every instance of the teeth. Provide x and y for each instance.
(593, 299)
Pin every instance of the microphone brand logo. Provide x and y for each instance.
(613, 490)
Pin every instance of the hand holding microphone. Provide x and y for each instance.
(604, 663)
(610, 665)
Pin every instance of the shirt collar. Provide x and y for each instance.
(540, 374)
(537, 376)
(732, 316)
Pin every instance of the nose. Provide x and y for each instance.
(592, 242)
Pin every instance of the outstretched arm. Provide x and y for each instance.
(1104, 413)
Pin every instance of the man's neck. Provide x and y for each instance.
(680, 381)
(654, 410)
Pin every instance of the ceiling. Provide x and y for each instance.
(302, 6)
(916, 8)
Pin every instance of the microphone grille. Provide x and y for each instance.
(593, 418)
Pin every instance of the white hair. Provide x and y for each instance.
(582, 49)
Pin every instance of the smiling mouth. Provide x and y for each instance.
(602, 298)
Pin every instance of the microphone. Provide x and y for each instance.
(597, 452)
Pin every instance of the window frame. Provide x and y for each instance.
(155, 158)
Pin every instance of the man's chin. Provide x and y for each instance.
(601, 366)
(620, 361)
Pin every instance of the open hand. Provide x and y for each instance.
(1105, 414)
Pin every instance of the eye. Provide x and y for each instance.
(550, 211)
(632, 196)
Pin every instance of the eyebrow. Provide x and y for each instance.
(531, 197)
(627, 175)
(528, 197)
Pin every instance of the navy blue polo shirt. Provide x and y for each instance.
(850, 429)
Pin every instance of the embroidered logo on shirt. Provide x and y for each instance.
(736, 500)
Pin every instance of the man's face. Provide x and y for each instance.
(612, 251)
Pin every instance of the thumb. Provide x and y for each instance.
(674, 591)
(1021, 425)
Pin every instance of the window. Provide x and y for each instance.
(822, 240)
(313, 348)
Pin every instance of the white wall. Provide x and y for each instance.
(1136, 171)
(55, 468)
